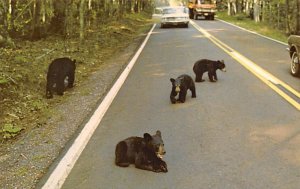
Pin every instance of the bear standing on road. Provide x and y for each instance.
(180, 85)
(210, 66)
(145, 153)
(61, 74)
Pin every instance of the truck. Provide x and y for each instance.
(206, 8)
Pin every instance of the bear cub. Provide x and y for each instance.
(61, 74)
(180, 85)
(144, 152)
(210, 66)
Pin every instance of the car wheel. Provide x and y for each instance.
(191, 13)
(295, 65)
(195, 16)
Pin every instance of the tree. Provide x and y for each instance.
(81, 18)
(256, 10)
(298, 18)
(35, 19)
(5, 40)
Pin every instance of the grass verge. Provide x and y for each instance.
(261, 27)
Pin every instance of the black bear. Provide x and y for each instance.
(145, 153)
(180, 85)
(61, 74)
(210, 66)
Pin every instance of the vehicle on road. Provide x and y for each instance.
(294, 49)
(175, 16)
(206, 8)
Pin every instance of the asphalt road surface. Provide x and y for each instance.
(237, 134)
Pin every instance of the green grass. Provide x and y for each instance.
(261, 27)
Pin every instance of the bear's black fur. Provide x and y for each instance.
(60, 70)
(210, 66)
(180, 85)
(145, 153)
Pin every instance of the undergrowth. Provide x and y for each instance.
(23, 70)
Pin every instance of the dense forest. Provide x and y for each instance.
(283, 15)
(36, 19)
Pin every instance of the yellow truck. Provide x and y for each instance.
(204, 8)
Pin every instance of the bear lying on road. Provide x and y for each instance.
(180, 85)
(210, 66)
(60, 70)
(145, 153)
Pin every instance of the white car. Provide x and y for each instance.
(175, 16)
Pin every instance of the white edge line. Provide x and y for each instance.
(62, 170)
(253, 32)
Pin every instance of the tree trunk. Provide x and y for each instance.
(5, 40)
(128, 6)
(229, 8)
(298, 18)
(256, 11)
(13, 16)
(287, 17)
(262, 11)
(68, 18)
(57, 24)
(36, 25)
(234, 9)
(81, 20)
(136, 6)
(43, 11)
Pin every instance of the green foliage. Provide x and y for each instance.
(3, 80)
(260, 27)
(23, 70)
(9, 130)
(19, 59)
(37, 19)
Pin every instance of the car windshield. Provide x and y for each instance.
(174, 10)
(204, 2)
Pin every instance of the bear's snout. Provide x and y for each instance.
(224, 70)
(177, 89)
(161, 151)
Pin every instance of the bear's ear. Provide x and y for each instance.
(158, 133)
(147, 137)
(172, 80)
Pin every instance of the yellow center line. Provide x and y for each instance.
(259, 72)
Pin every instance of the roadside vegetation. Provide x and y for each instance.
(282, 15)
(33, 33)
(246, 22)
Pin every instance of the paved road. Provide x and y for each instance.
(238, 133)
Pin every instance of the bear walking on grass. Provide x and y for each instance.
(61, 74)
(180, 85)
(145, 153)
(210, 66)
